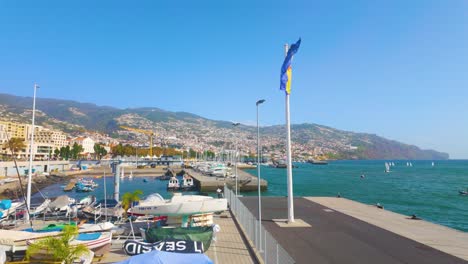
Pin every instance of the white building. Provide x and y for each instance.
(86, 142)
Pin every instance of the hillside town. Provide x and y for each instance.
(189, 140)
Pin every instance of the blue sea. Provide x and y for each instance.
(430, 192)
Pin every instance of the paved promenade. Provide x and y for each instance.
(229, 247)
(339, 237)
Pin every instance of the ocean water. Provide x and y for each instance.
(429, 192)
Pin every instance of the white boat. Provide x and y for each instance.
(179, 205)
(61, 203)
(219, 172)
(387, 167)
(18, 241)
(99, 242)
(122, 174)
(7, 207)
(187, 183)
(41, 208)
(433, 164)
(131, 175)
(173, 184)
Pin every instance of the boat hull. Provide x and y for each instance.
(183, 208)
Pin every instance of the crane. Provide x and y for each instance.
(146, 132)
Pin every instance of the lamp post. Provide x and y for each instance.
(258, 181)
(28, 195)
(235, 157)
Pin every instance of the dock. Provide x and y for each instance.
(70, 186)
(246, 182)
(338, 230)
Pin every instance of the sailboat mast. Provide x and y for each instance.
(28, 195)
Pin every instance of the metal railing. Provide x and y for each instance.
(270, 251)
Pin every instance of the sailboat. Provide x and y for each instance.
(131, 175)
(433, 164)
(387, 168)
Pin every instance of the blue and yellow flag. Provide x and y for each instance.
(286, 70)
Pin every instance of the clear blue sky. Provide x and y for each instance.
(394, 68)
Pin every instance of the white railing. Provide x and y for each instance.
(270, 251)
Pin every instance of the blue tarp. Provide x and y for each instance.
(88, 236)
(5, 204)
(161, 257)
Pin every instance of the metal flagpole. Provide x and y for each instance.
(289, 161)
(28, 195)
(235, 156)
(259, 182)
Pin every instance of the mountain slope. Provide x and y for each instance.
(182, 129)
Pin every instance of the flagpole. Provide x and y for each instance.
(289, 162)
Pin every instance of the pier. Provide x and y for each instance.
(70, 186)
(338, 230)
(246, 181)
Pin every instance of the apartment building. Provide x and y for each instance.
(86, 142)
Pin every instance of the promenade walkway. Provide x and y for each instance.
(349, 232)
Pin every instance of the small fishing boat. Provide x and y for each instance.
(187, 183)
(88, 183)
(61, 203)
(463, 192)
(99, 242)
(8, 207)
(106, 207)
(41, 208)
(173, 184)
(80, 187)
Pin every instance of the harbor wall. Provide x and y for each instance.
(8, 169)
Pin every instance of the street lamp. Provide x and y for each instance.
(235, 156)
(258, 180)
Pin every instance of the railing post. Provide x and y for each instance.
(264, 244)
(277, 254)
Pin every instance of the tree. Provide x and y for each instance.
(15, 144)
(128, 198)
(59, 248)
(56, 152)
(76, 150)
(99, 151)
(65, 152)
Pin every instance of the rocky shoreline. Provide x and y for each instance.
(12, 190)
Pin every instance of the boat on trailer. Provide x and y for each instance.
(179, 204)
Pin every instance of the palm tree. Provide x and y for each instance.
(15, 144)
(128, 198)
(59, 248)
